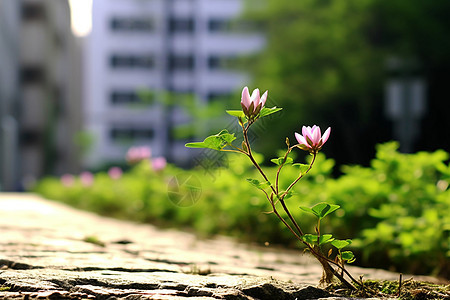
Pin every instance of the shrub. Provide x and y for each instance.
(397, 211)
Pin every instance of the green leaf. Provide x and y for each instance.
(215, 142)
(236, 113)
(325, 209)
(287, 196)
(268, 111)
(325, 238)
(258, 184)
(310, 238)
(226, 136)
(280, 160)
(196, 145)
(321, 210)
(348, 256)
(302, 167)
(339, 244)
(308, 210)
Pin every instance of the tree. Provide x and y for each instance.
(325, 63)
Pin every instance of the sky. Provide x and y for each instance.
(81, 17)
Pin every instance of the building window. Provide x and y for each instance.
(181, 25)
(231, 25)
(33, 11)
(220, 62)
(32, 74)
(30, 137)
(120, 134)
(218, 25)
(218, 95)
(181, 62)
(131, 24)
(131, 61)
(124, 97)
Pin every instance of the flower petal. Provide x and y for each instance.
(245, 99)
(300, 139)
(264, 98)
(255, 98)
(316, 135)
(326, 135)
(306, 131)
(255, 94)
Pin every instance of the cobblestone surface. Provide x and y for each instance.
(51, 251)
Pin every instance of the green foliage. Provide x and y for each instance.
(258, 184)
(321, 210)
(326, 62)
(339, 244)
(408, 289)
(265, 111)
(215, 142)
(397, 211)
(236, 113)
(319, 62)
(282, 161)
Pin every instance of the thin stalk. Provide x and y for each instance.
(301, 175)
(250, 155)
(279, 169)
(322, 259)
(229, 150)
(285, 208)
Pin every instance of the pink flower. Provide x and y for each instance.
(67, 180)
(252, 105)
(87, 178)
(159, 163)
(312, 140)
(136, 154)
(115, 172)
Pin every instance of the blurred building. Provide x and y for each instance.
(40, 94)
(158, 45)
(9, 29)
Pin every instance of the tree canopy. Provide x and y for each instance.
(325, 63)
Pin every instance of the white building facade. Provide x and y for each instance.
(156, 45)
(40, 99)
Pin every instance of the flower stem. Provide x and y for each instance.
(329, 271)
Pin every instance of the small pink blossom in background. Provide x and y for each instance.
(115, 172)
(136, 154)
(252, 105)
(67, 180)
(312, 139)
(159, 163)
(86, 178)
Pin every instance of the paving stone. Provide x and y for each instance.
(51, 251)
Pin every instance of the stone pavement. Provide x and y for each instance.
(49, 250)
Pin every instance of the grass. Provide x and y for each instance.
(94, 240)
(408, 290)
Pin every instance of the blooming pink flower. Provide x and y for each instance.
(87, 178)
(136, 154)
(159, 163)
(67, 180)
(115, 172)
(252, 105)
(312, 140)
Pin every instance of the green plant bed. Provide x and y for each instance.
(397, 211)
